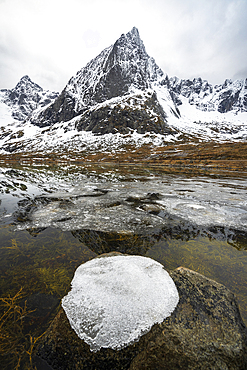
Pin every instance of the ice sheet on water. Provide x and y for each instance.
(114, 300)
(201, 201)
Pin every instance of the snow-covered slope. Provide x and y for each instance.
(5, 112)
(64, 137)
(209, 125)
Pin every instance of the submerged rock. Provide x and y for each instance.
(204, 332)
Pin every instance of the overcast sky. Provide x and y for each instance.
(50, 40)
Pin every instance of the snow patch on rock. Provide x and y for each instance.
(114, 300)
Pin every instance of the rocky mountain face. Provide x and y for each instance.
(114, 92)
(231, 95)
(25, 97)
(123, 88)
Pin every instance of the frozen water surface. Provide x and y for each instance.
(114, 300)
(116, 202)
(137, 206)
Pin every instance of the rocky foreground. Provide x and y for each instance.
(205, 331)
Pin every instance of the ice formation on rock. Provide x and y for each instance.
(114, 300)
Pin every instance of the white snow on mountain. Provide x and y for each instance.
(122, 78)
(81, 86)
(193, 123)
(6, 117)
(231, 95)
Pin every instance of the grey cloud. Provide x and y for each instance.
(206, 38)
(12, 59)
(211, 39)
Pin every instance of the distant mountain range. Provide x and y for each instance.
(230, 96)
(122, 91)
(26, 97)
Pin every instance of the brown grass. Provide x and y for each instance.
(16, 346)
(231, 157)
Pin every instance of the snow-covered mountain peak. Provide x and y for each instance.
(116, 69)
(25, 97)
(26, 83)
(134, 33)
(229, 96)
(130, 42)
(119, 70)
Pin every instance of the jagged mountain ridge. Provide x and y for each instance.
(25, 97)
(125, 69)
(121, 70)
(231, 95)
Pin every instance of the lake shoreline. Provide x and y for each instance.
(228, 158)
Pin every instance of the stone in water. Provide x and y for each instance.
(114, 300)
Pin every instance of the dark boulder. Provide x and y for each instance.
(204, 332)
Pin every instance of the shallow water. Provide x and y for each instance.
(55, 218)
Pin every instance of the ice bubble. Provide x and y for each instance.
(116, 299)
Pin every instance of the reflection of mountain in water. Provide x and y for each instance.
(103, 242)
